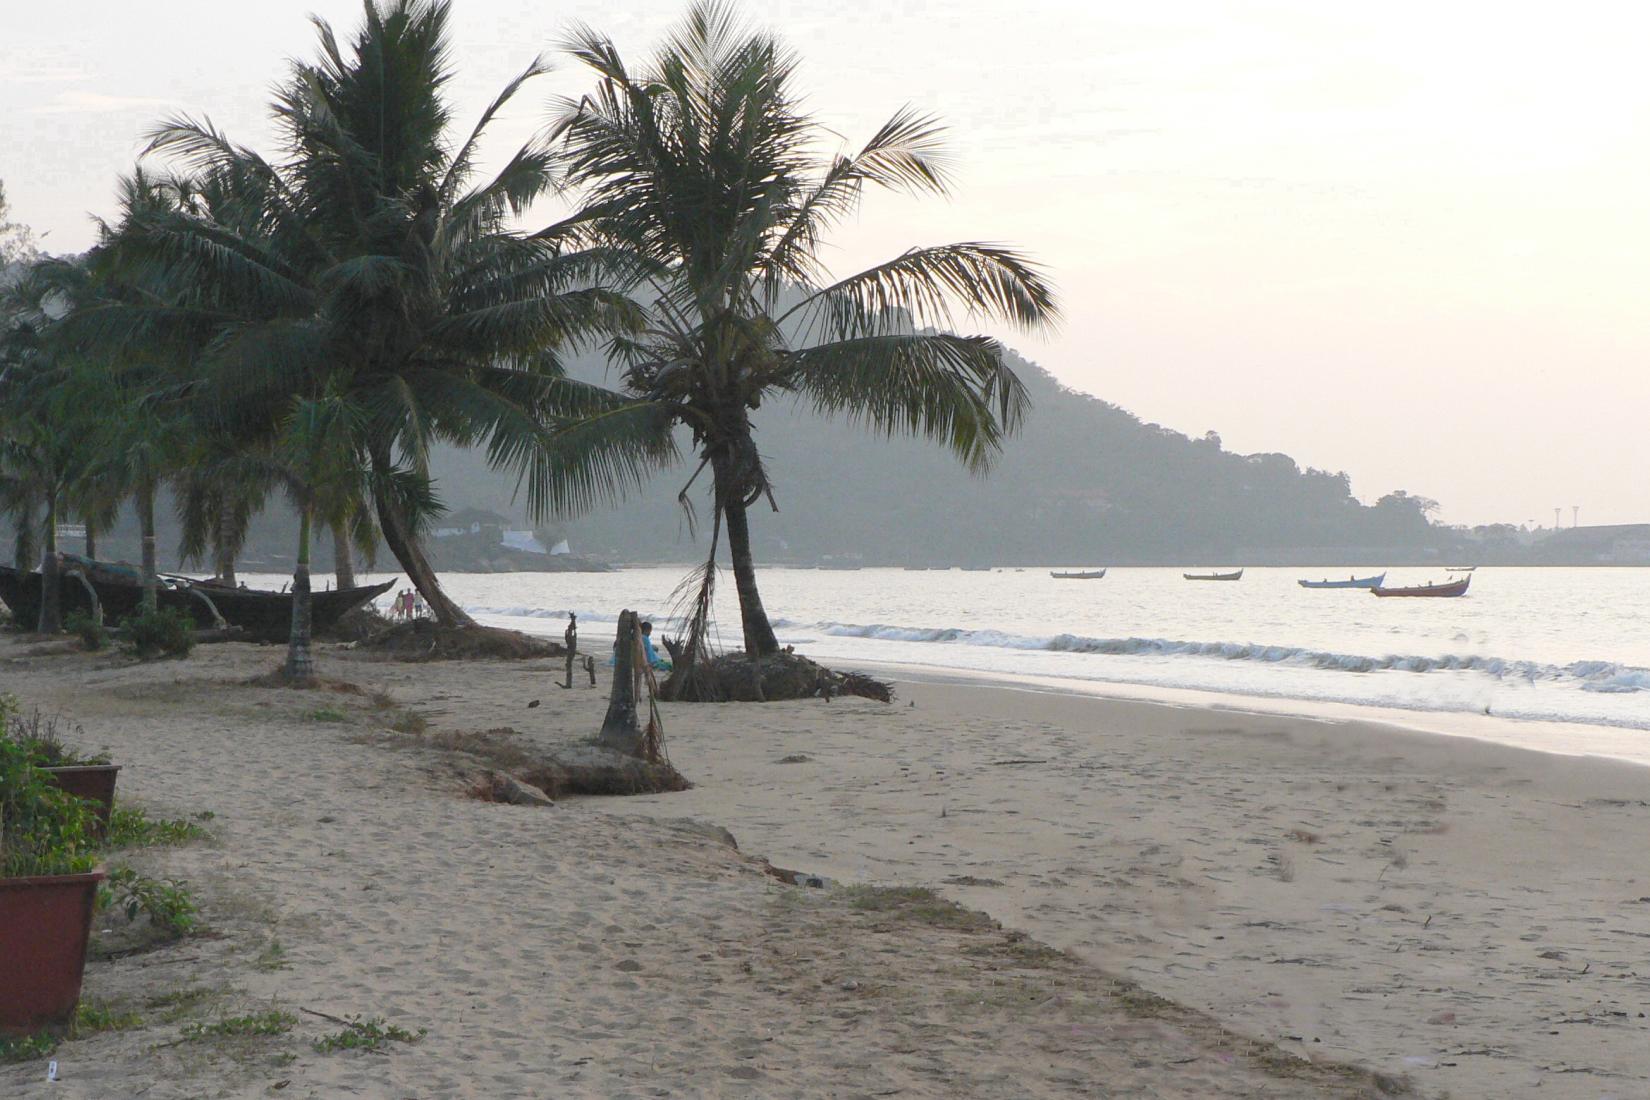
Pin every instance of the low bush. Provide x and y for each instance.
(165, 632)
(43, 830)
(170, 908)
(42, 735)
(92, 633)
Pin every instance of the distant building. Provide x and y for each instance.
(525, 541)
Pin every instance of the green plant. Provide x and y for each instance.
(93, 634)
(272, 1022)
(26, 1048)
(91, 1017)
(373, 1034)
(329, 714)
(43, 830)
(131, 827)
(167, 904)
(165, 631)
(42, 734)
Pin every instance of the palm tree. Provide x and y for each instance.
(51, 403)
(699, 169)
(370, 260)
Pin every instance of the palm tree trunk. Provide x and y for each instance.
(300, 661)
(223, 557)
(403, 543)
(91, 539)
(343, 564)
(146, 523)
(759, 638)
(51, 595)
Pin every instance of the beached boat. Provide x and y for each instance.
(1350, 582)
(265, 615)
(1453, 588)
(1080, 575)
(1237, 576)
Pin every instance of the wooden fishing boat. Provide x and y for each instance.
(1079, 575)
(1453, 588)
(267, 616)
(1350, 582)
(1237, 576)
(1459, 568)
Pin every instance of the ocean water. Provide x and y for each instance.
(1565, 646)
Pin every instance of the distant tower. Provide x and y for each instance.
(1558, 514)
(1575, 515)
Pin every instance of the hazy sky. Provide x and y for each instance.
(1407, 240)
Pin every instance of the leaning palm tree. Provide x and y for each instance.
(701, 170)
(369, 258)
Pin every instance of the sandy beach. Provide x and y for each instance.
(1289, 895)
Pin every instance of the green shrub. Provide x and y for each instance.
(42, 735)
(164, 632)
(43, 830)
(93, 634)
(165, 901)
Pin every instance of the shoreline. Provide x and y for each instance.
(1621, 744)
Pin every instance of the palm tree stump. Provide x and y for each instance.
(620, 730)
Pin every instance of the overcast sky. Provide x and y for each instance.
(1409, 240)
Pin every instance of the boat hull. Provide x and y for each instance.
(1089, 575)
(267, 616)
(1238, 576)
(1454, 588)
(1354, 582)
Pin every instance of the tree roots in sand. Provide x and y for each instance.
(735, 678)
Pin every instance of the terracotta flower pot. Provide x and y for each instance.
(93, 782)
(45, 923)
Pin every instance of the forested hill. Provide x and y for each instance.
(1082, 482)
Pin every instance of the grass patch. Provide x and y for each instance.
(26, 1048)
(271, 1022)
(373, 1034)
(271, 958)
(131, 827)
(329, 714)
(918, 904)
(90, 1018)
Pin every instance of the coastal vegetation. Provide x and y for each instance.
(313, 321)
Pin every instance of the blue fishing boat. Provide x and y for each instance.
(1350, 582)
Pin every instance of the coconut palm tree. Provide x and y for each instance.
(365, 255)
(700, 169)
(51, 402)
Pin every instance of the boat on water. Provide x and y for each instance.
(1078, 575)
(1350, 582)
(1452, 588)
(1459, 568)
(1237, 576)
(265, 615)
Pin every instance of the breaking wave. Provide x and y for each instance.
(1600, 676)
